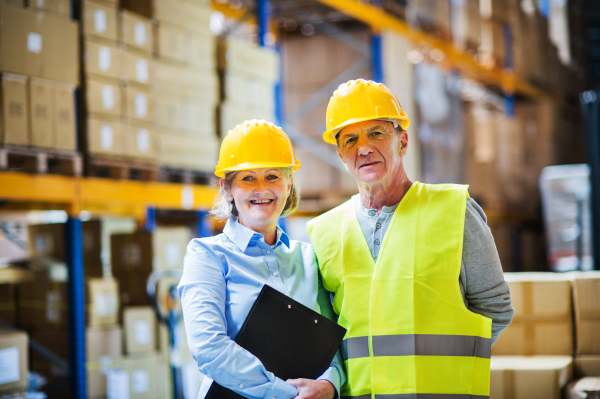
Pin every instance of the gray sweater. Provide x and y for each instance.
(481, 279)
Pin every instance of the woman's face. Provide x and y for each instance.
(259, 195)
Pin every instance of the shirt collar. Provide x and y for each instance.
(242, 235)
(365, 212)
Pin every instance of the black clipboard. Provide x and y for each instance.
(291, 340)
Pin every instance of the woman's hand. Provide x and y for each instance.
(313, 389)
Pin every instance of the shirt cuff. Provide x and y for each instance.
(282, 390)
(333, 376)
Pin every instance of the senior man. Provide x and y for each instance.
(413, 268)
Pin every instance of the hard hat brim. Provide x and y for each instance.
(329, 136)
(255, 165)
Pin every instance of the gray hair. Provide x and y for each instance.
(397, 128)
(223, 209)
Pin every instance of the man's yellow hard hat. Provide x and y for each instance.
(256, 144)
(358, 101)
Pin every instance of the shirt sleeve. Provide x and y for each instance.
(481, 277)
(203, 299)
(335, 373)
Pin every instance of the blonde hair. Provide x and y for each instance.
(223, 209)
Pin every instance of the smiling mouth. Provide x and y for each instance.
(265, 201)
(368, 164)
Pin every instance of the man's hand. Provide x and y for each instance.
(312, 389)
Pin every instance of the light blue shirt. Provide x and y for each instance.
(222, 277)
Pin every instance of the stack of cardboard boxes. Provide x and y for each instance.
(533, 358)
(14, 362)
(39, 73)
(117, 50)
(251, 73)
(186, 85)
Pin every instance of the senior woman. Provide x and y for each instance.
(223, 275)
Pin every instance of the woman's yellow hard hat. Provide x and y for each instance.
(256, 144)
(358, 101)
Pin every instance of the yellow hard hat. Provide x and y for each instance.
(358, 101)
(256, 144)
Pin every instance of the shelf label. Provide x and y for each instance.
(140, 105)
(141, 332)
(141, 70)
(139, 381)
(143, 141)
(172, 255)
(34, 42)
(117, 384)
(187, 197)
(106, 137)
(108, 98)
(100, 21)
(139, 34)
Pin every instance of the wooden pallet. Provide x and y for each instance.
(186, 176)
(40, 161)
(121, 169)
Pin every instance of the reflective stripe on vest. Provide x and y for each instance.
(417, 345)
(409, 333)
(419, 396)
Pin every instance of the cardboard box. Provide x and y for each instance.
(186, 15)
(139, 323)
(14, 349)
(42, 306)
(137, 69)
(141, 370)
(164, 387)
(135, 31)
(105, 138)
(140, 143)
(494, 9)
(102, 60)
(587, 366)
(188, 152)
(15, 110)
(131, 254)
(100, 20)
(59, 7)
(133, 290)
(103, 299)
(91, 231)
(492, 41)
(58, 343)
(139, 104)
(8, 303)
(103, 99)
(38, 45)
(168, 109)
(47, 240)
(586, 297)
(185, 82)
(542, 324)
(170, 245)
(538, 377)
(200, 49)
(104, 352)
(466, 24)
(170, 42)
(42, 103)
(66, 131)
(585, 388)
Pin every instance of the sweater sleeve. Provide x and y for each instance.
(482, 283)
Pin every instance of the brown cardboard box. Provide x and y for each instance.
(42, 103)
(102, 60)
(164, 385)
(139, 323)
(14, 349)
(42, 306)
(538, 377)
(492, 41)
(585, 388)
(104, 99)
(200, 49)
(38, 45)
(135, 31)
(170, 42)
(100, 20)
(141, 369)
(542, 324)
(168, 109)
(103, 299)
(141, 143)
(466, 24)
(131, 255)
(58, 343)
(104, 352)
(587, 366)
(59, 7)
(91, 231)
(494, 9)
(133, 289)
(139, 104)
(186, 81)
(47, 240)
(188, 152)
(586, 298)
(8, 303)
(105, 138)
(15, 110)
(170, 244)
(66, 131)
(183, 14)
(137, 69)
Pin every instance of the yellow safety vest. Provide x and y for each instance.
(409, 335)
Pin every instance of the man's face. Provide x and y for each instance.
(372, 150)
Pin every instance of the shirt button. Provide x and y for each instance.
(377, 226)
(241, 385)
(275, 274)
(376, 242)
(372, 213)
(268, 252)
